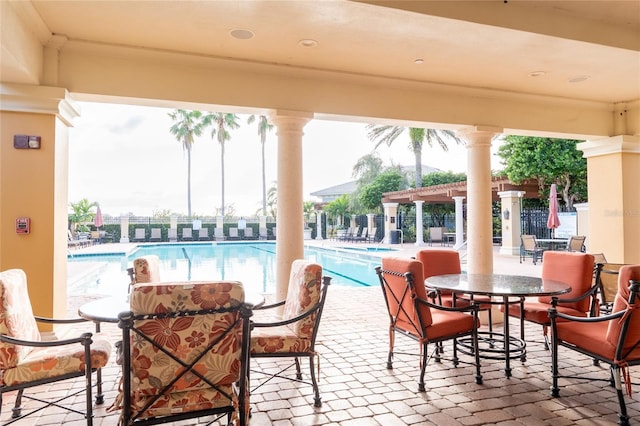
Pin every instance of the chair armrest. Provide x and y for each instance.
(473, 307)
(289, 321)
(269, 306)
(553, 314)
(591, 292)
(59, 320)
(84, 338)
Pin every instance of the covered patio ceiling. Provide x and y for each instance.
(444, 193)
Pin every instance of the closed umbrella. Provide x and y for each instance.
(553, 221)
(97, 221)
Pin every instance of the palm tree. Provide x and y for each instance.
(221, 123)
(272, 200)
(367, 168)
(387, 134)
(82, 214)
(187, 125)
(263, 128)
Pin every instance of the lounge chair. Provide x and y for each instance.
(140, 235)
(156, 235)
(248, 234)
(233, 234)
(371, 237)
(218, 233)
(187, 234)
(172, 234)
(203, 234)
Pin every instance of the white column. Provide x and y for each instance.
(390, 220)
(371, 221)
(319, 225)
(289, 238)
(419, 226)
(479, 218)
(459, 222)
(511, 202)
(124, 228)
(173, 221)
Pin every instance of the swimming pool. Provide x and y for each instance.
(253, 264)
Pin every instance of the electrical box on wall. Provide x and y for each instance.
(26, 142)
(23, 225)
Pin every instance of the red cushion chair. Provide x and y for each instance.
(613, 339)
(411, 314)
(574, 269)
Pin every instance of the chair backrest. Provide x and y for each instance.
(233, 232)
(599, 258)
(187, 233)
(607, 280)
(372, 233)
(248, 232)
(529, 242)
(574, 269)
(305, 282)
(156, 233)
(576, 243)
(632, 337)
(439, 262)
(203, 233)
(193, 349)
(436, 233)
(16, 317)
(140, 233)
(146, 269)
(401, 279)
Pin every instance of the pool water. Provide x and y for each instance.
(252, 264)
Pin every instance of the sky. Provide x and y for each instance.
(124, 158)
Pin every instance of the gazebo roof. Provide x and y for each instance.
(444, 193)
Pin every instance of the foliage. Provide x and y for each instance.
(161, 213)
(338, 209)
(272, 200)
(388, 181)
(264, 127)
(439, 178)
(187, 125)
(548, 161)
(82, 214)
(386, 134)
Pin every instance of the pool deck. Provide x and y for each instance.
(358, 390)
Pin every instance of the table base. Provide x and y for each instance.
(491, 345)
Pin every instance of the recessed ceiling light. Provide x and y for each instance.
(537, 73)
(308, 42)
(241, 34)
(419, 61)
(578, 78)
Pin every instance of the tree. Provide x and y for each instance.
(264, 127)
(338, 208)
(308, 207)
(82, 214)
(272, 200)
(389, 181)
(221, 123)
(386, 134)
(187, 125)
(548, 161)
(439, 178)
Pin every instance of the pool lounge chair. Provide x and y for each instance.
(248, 234)
(172, 234)
(203, 234)
(140, 235)
(156, 235)
(187, 234)
(233, 234)
(218, 233)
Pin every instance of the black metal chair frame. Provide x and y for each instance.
(409, 292)
(615, 367)
(317, 308)
(535, 253)
(128, 325)
(84, 339)
(606, 304)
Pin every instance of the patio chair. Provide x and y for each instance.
(529, 248)
(218, 233)
(436, 234)
(199, 368)
(248, 234)
(606, 279)
(612, 339)
(294, 334)
(187, 234)
(412, 315)
(576, 243)
(27, 361)
(203, 234)
(172, 235)
(156, 235)
(442, 262)
(233, 234)
(140, 235)
(362, 237)
(574, 269)
(371, 236)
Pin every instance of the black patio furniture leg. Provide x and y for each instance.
(423, 367)
(317, 402)
(298, 372)
(623, 416)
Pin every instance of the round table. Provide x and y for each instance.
(502, 287)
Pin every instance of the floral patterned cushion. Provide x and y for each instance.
(277, 339)
(147, 269)
(21, 364)
(303, 294)
(185, 337)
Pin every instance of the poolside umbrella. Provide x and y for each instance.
(553, 221)
(97, 221)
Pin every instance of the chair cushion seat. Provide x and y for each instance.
(277, 339)
(539, 312)
(184, 402)
(42, 363)
(591, 337)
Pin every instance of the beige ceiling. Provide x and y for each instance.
(579, 50)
